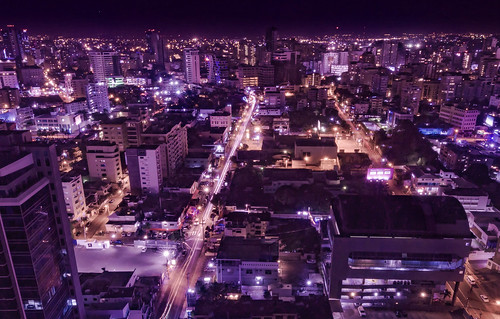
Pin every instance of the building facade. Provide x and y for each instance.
(145, 169)
(74, 197)
(103, 159)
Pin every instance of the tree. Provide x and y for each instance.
(478, 174)
(286, 195)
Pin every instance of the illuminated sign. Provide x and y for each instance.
(379, 174)
(489, 121)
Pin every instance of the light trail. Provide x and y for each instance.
(179, 279)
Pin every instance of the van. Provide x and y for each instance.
(362, 312)
(471, 280)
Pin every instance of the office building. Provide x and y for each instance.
(192, 66)
(220, 119)
(104, 64)
(9, 98)
(74, 197)
(461, 118)
(103, 160)
(145, 168)
(176, 147)
(449, 87)
(395, 249)
(71, 124)
(271, 39)
(97, 97)
(8, 79)
(115, 131)
(156, 46)
(32, 76)
(15, 43)
(39, 274)
(213, 65)
(334, 63)
(472, 199)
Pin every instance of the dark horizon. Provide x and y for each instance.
(227, 18)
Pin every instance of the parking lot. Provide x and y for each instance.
(120, 258)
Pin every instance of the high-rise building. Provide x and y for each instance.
(97, 97)
(192, 65)
(39, 274)
(214, 69)
(74, 196)
(145, 168)
(15, 43)
(461, 118)
(104, 64)
(156, 46)
(396, 250)
(271, 39)
(449, 87)
(103, 159)
(335, 63)
(8, 79)
(176, 147)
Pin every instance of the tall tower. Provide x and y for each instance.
(104, 64)
(38, 270)
(15, 43)
(271, 39)
(97, 97)
(156, 45)
(214, 70)
(192, 65)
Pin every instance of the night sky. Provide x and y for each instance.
(238, 17)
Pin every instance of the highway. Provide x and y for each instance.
(186, 273)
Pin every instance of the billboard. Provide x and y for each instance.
(379, 174)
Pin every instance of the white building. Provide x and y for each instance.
(104, 64)
(76, 106)
(222, 119)
(65, 123)
(103, 159)
(463, 119)
(335, 63)
(192, 65)
(145, 168)
(472, 199)
(74, 196)
(97, 97)
(8, 79)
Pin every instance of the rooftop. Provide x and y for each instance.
(465, 192)
(248, 249)
(287, 174)
(400, 216)
(95, 283)
(316, 142)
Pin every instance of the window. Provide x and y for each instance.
(249, 271)
(268, 272)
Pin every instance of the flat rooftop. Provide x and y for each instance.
(316, 142)
(465, 192)
(248, 249)
(400, 216)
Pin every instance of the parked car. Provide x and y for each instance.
(361, 311)
(117, 242)
(471, 280)
(484, 298)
